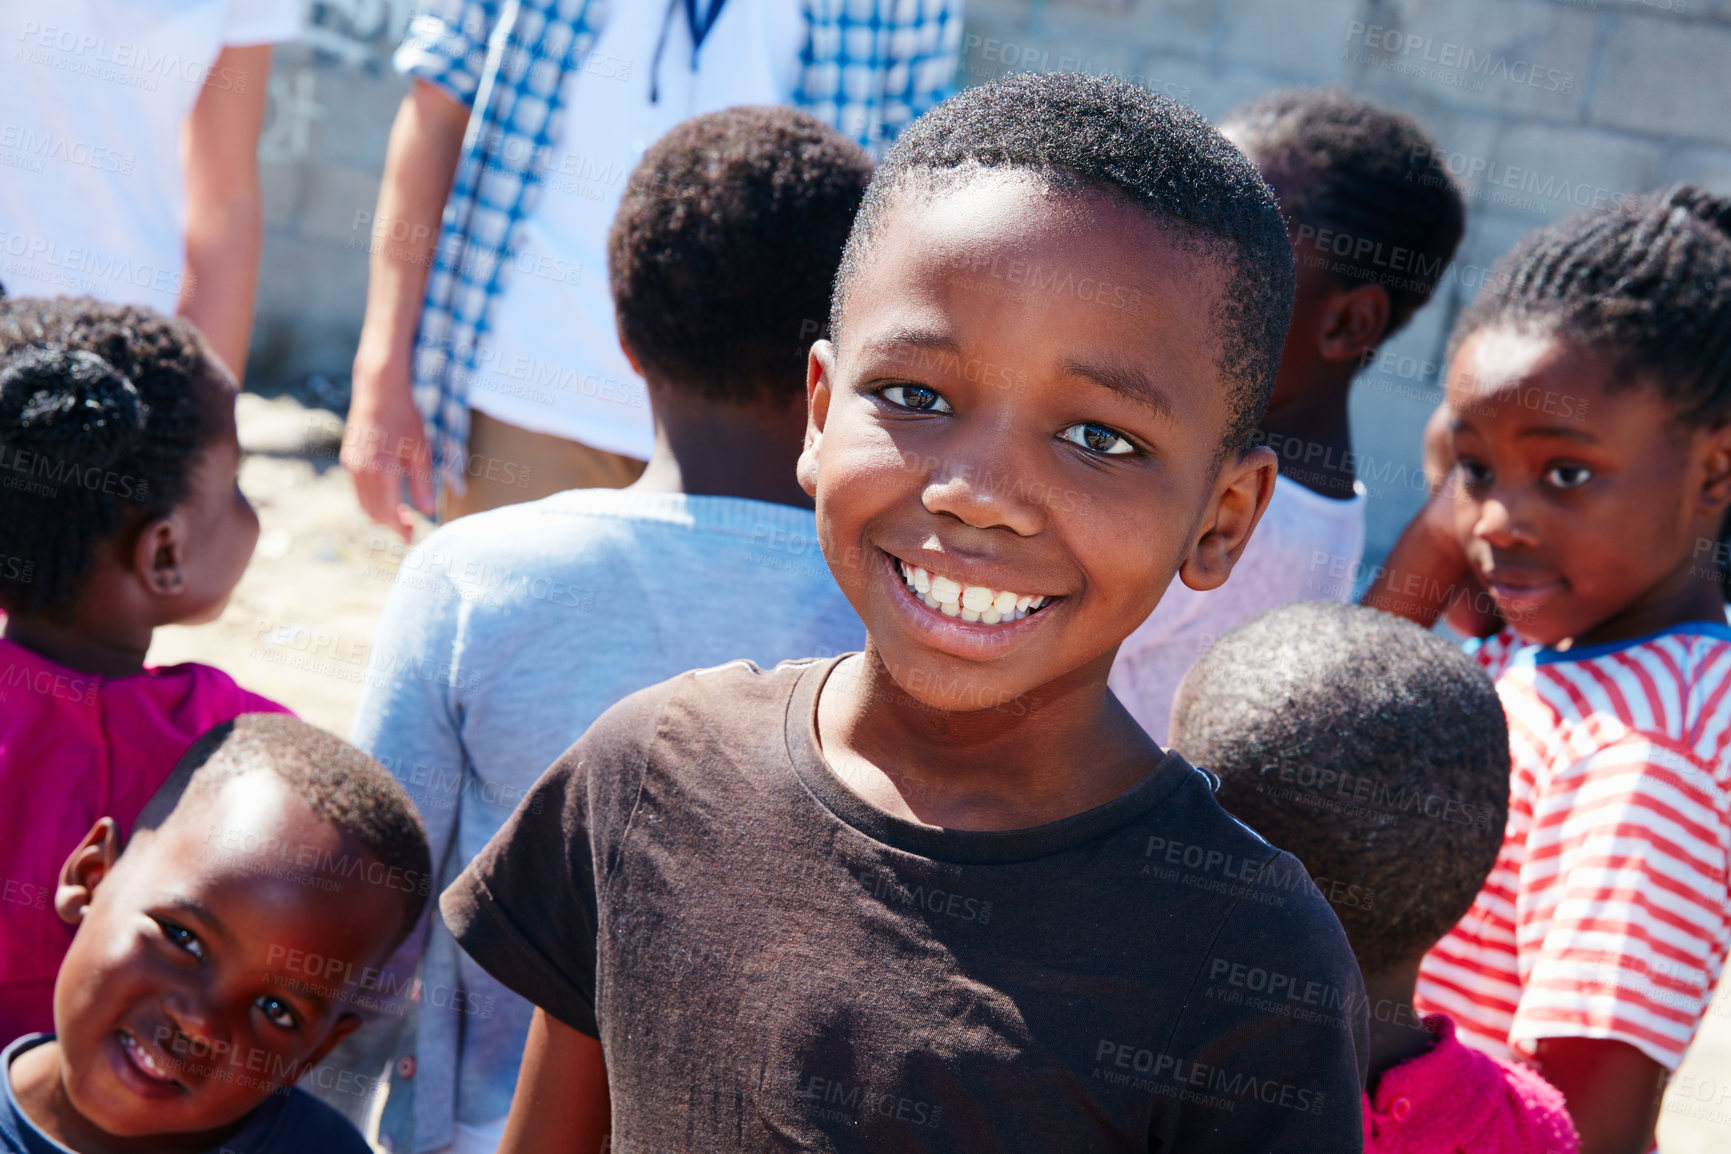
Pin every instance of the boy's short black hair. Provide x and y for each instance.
(338, 782)
(104, 412)
(1093, 132)
(725, 246)
(1373, 751)
(1364, 173)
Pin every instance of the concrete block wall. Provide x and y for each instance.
(1543, 106)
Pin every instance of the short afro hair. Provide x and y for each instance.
(1364, 172)
(338, 782)
(105, 410)
(1096, 133)
(1373, 751)
(725, 246)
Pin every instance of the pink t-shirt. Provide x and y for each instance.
(1456, 1100)
(75, 747)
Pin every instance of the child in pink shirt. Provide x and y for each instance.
(1377, 754)
(119, 512)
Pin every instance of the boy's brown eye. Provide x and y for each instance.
(182, 937)
(916, 397)
(1098, 439)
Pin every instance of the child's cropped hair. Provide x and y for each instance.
(722, 253)
(337, 782)
(1373, 751)
(1365, 173)
(103, 412)
(1090, 132)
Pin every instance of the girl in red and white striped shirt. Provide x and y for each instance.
(1589, 420)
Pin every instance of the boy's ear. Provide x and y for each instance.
(819, 372)
(1241, 494)
(85, 868)
(630, 357)
(159, 555)
(1354, 321)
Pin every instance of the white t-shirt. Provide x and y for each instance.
(551, 361)
(1307, 547)
(93, 96)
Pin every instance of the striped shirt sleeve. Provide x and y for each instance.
(1622, 912)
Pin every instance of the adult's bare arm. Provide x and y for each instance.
(224, 220)
(384, 441)
(561, 1104)
(1612, 1090)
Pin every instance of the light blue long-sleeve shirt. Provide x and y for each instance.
(507, 633)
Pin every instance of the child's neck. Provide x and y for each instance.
(1689, 593)
(706, 448)
(1315, 437)
(1397, 1033)
(1059, 751)
(114, 651)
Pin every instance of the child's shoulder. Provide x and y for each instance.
(735, 701)
(1455, 1097)
(1667, 690)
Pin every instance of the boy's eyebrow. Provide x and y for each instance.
(929, 340)
(1125, 380)
(211, 921)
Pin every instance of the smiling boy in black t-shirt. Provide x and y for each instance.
(946, 895)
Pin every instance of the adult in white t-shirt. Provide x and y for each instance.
(97, 198)
(488, 364)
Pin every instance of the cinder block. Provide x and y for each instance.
(1541, 173)
(1708, 167)
(1521, 57)
(1289, 38)
(339, 206)
(1174, 27)
(1666, 77)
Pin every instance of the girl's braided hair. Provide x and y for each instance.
(104, 413)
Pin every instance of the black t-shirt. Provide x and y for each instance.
(771, 963)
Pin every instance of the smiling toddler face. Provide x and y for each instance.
(189, 994)
(1017, 435)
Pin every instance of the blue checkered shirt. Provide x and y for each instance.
(867, 68)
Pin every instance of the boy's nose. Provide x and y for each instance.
(987, 500)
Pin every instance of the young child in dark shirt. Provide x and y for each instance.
(223, 954)
(946, 895)
(1377, 754)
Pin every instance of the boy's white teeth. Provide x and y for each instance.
(145, 1059)
(972, 603)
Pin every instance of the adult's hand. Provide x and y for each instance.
(384, 444)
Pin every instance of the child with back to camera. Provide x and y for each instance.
(1354, 179)
(222, 953)
(722, 257)
(947, 895)
(1589, 414)
(119, 513)
(1377, 754)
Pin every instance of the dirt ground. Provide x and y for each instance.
(300, 627)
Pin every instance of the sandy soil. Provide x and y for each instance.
(300, 628)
